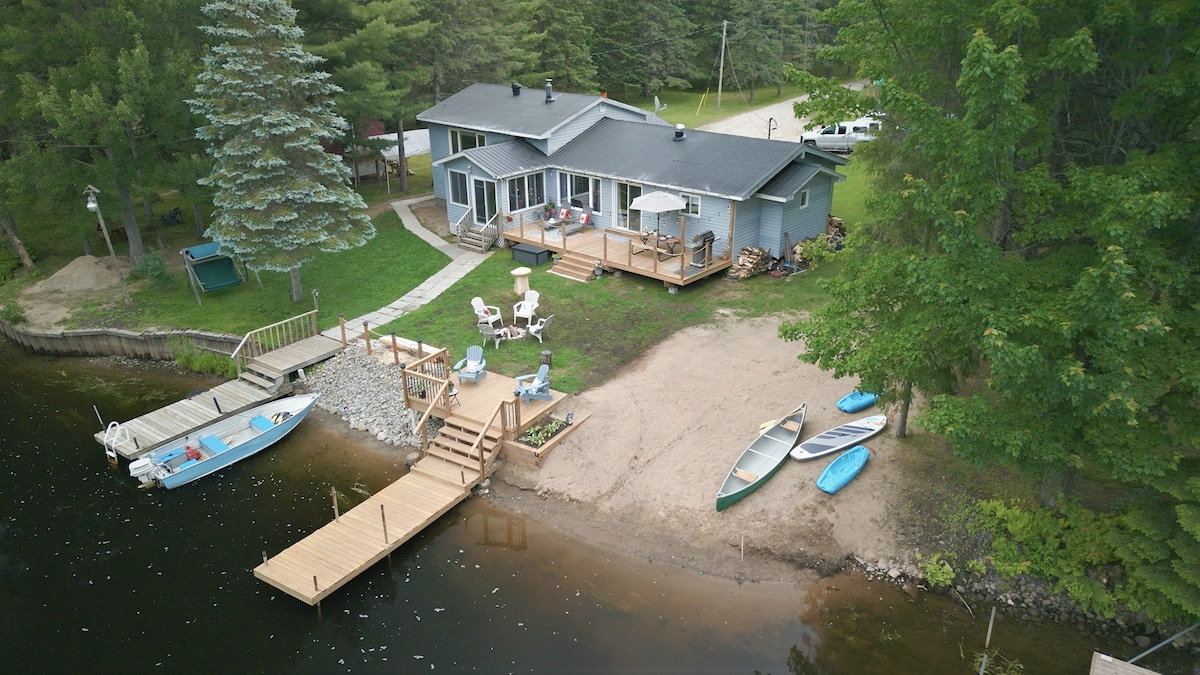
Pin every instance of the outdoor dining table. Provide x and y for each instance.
(659, 243)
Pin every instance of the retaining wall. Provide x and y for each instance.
(115, 342)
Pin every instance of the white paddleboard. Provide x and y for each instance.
(840, 437)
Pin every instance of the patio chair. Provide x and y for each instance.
(488, 313)
(535, 386)
(473, 368)
(538, 330)
(490, 332)
(527, 308)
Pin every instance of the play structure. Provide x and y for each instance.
(208, 270)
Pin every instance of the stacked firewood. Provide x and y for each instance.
(836, 231)
(751, 261)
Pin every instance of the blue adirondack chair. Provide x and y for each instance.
(535, 386)
(473, 368)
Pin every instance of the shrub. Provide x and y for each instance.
(9, 262)
(12, 312)
(937, 569)
(153, 266)
(190, 357)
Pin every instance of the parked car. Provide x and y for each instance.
(843, 136)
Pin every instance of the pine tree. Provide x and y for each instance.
(280, 197)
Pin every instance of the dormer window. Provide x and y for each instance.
(461, 139)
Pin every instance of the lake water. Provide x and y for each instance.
(99, 576)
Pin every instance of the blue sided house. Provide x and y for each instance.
(608, 186)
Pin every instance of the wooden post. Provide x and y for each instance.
(420, 349)
(383, 519)
(342, 325)
(265, 561)
(316, 588)
(395, 350)
(604, 247)
(367, 337)
(333, 490)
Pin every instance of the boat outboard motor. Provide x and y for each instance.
(146, 470)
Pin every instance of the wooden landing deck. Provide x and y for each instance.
(159, 427)
(324, 561)
(299, 354)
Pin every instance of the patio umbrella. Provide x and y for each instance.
(658, 201)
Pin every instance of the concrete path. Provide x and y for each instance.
(461, 262)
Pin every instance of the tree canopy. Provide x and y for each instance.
(280, 197)
(1032, 264)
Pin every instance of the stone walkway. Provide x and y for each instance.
(461, 262)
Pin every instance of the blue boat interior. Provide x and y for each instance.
(261, 423)
(214, 444)
(187, 464)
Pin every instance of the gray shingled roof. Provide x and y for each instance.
(492, 107)
(719, 164)
(788, 182)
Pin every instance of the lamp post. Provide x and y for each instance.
(771, 126)
(94, 207)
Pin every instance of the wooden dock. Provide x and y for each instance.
(265, 358)
(327, 559)
(159, 427)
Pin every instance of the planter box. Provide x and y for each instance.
(530, 255)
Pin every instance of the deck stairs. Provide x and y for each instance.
(575, 266)
(451, 456)
(262, 376)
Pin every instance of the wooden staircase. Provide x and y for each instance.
(263, 376)
(451, 456)
(575, 266)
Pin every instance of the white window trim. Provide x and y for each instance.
(693, 202)
(803, 199)
(524, 181)
(480, 138)
(450, 187)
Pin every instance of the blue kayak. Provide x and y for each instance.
(843, 469)
(857, 400)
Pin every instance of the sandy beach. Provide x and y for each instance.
(641, 474)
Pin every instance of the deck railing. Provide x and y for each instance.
(276, 336)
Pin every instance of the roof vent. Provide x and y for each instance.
(516, 88)
(679, 135)
(549, 91)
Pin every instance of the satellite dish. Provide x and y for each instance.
(658, 106)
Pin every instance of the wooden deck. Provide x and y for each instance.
(264, 379)
(324, 561)
(1103, 664)
(481, 421)
(159, 427)
(299, 355)
(621, 250)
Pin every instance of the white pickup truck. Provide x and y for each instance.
(842, 137)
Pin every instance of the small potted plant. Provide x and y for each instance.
(598, 269)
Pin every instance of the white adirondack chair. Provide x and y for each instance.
(527, 308)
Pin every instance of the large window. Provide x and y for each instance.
(458, 188)
(693, 204)
(465, 140)
(582, 192)
(526, 191)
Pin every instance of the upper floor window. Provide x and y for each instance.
(526, 191)
(461, 139)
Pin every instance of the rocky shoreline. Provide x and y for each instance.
(364, 392)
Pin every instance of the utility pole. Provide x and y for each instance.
(721, 68)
